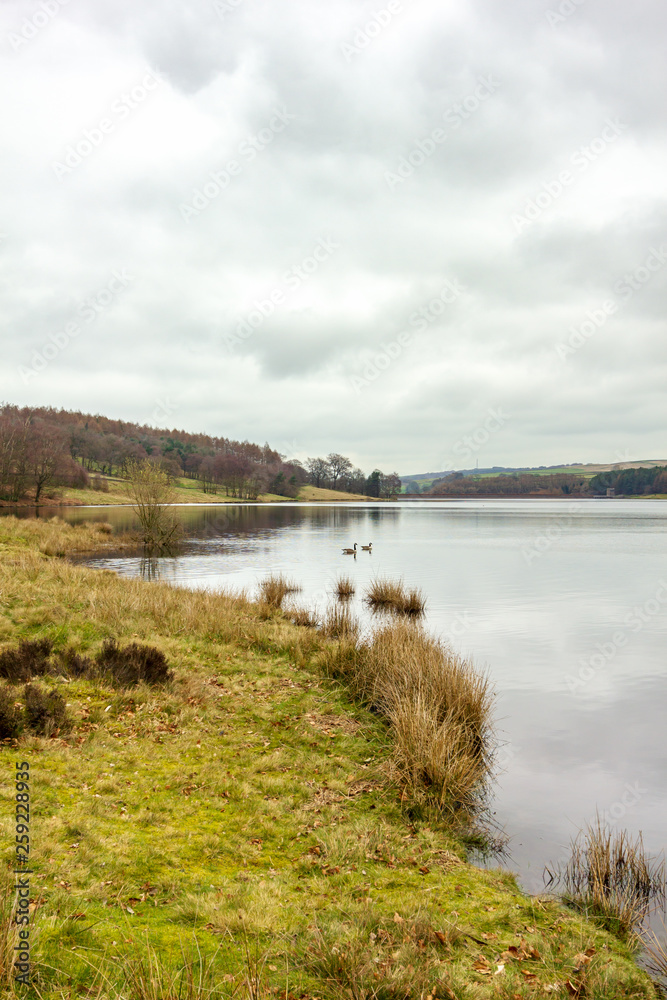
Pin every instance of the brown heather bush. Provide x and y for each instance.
(128, 665)
(45, 711)
(29, 659)
(275, 588)
(11, 720)
(120, 666)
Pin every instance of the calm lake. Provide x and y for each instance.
(564, 604)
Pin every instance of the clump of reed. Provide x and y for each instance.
(302, 616)
(275, 588)
(340, 623)
(392, 595)
(438, 707)
(655, 949)
(344, 588)
(610, 877)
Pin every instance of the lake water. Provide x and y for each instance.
(564, 604)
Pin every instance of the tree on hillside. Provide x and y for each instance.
(318, 471)
(339, 466)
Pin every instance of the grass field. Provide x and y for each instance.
(245, 812)
(187, 491)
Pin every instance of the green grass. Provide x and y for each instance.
(248, 804)
(188, 491)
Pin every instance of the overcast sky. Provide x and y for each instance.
(421, 233)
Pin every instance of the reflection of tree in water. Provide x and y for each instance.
(149, 568)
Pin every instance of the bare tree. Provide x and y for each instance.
(339, 466)
(153, 494)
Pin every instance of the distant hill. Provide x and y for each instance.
(425, 479)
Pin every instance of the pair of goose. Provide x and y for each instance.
(353, 552)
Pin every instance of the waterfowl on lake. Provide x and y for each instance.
(351, 552)
(367, 548)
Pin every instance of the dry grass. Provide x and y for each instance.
(340, 623)
(303, 616)
(393, 595)
(437, 704)
(56, 537)
(610, 877)
(382, 593)
(655, 949)
(274, 589)
(344, 588)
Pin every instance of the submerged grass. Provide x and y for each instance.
(247, 799)
(610, 877)
(344, 587)
(393, 595)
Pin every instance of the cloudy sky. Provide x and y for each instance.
(423, 233)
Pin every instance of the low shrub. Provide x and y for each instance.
(11, 720)
(128, 665)
(45, 711)
(31, 658)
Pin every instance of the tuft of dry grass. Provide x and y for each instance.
(610, 877)
(274, 589)
(340, 623)
(655, 949)
(438, 707)
(382, 593)
(344, 588)
(303, 617)
(392, 595)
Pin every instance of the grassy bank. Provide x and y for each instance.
(252, 805)
(187, 491)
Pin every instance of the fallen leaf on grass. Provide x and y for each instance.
(482, 966)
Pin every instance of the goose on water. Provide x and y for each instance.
(351, 552)
(367, 548)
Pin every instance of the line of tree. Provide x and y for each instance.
(336, 472)
(631, 482)
(34, 456)
(42, 449)
(516, 485)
